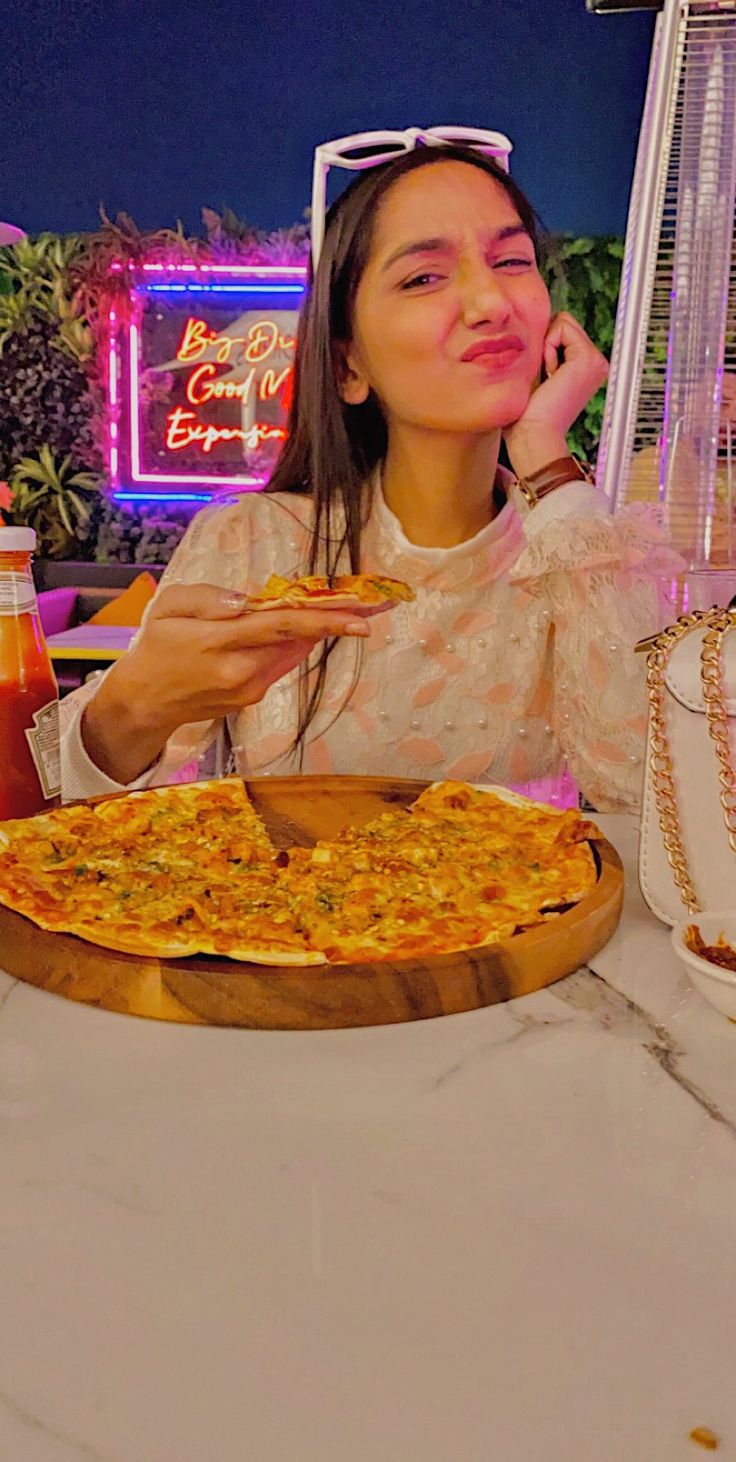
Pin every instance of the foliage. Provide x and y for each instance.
(583, 277)
(45, 348)
(132, 535)
(121, 243)
(228, 235)
(46, 396)
(59, 503)
(37, 287)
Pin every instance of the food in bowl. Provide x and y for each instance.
(696, 941)
(721, 953)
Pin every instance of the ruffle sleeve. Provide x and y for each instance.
(605, 582)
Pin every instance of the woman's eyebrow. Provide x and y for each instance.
(421, 246)
(445, 246)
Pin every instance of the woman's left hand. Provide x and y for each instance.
(538, 437)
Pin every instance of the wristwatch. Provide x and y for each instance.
(555, 474)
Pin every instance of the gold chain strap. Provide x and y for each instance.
(660, 758)
(711, 664)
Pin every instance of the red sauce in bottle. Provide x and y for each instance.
(29, 696)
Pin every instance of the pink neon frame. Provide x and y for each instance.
(159, 483)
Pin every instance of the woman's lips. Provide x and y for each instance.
(494, 354)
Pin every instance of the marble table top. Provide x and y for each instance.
(507, 1236)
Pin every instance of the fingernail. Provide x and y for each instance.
(357, 627)
(234, 600)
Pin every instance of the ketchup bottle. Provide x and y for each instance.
(30, 775)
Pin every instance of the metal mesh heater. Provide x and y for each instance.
(666, 434)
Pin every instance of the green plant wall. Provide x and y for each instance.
(583, 278)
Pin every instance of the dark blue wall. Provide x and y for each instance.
(159, 108)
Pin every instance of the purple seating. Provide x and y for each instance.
(57, 609)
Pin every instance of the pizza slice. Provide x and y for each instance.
(359, 914)
(500, 809)
(482, 836)
(459, 865)
(366, 593)
(250, 918)
(159, 872)
(546, 849)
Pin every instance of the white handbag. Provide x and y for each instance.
(687, 844)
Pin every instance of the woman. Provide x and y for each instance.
(420, 350)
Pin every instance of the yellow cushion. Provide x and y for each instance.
(128, 607)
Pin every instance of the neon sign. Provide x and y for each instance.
(200, 378)
(184, 429)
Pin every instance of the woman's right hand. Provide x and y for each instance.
(200, 656)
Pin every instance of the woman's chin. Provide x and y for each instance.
(502, 404)
(493, 409)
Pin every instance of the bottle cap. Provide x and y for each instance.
(17, 540)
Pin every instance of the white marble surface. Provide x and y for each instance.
(506, 1236)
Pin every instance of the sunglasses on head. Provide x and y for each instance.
(369, 149)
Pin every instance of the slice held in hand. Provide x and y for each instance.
(365, 593)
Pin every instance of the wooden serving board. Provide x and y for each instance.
(205, 991)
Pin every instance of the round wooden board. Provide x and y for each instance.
(206, 991)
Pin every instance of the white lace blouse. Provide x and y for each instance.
(514, 663)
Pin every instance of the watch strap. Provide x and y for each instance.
(554, 474)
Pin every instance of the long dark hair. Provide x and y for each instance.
(332, 448)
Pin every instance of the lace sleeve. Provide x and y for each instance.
(605, 582)
(214, 550)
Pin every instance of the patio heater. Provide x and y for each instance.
(670, 412)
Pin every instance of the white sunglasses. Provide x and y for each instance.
(378, 147)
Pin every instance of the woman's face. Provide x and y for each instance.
(451, 311)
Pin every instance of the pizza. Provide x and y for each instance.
(171, 872)
(366, 593)
(460, 868)
(190, 869)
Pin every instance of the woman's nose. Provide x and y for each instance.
(485, 299)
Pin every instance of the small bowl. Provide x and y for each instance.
(717, 985)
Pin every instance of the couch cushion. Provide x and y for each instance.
(127, 608)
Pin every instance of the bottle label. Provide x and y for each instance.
(17, 593)
(43, 740)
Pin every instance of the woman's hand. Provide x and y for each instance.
(201, 655)
(539, 436)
